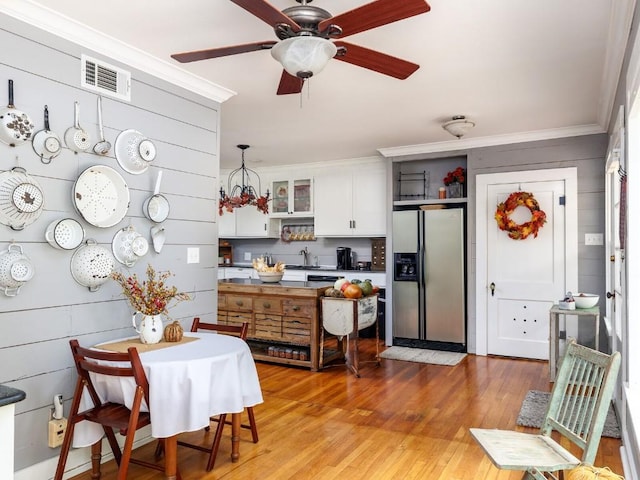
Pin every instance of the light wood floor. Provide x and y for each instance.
(401, 420)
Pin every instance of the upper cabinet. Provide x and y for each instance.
(292, 197)
(351, 201)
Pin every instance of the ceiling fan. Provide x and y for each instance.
(306, 34)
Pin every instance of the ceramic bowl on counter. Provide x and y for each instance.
(586, 300)
(270, 277)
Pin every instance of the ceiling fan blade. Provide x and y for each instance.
(375, 14)
(289, 84)
(194, 56)
(376, 61)
(266, 12)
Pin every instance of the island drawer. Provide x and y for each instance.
(267, 305)
(299, 308)
(268, 327)
(239, 303)
(296, 330)
(222, 301)
(236, 318)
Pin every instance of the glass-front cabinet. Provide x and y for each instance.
(292, 198)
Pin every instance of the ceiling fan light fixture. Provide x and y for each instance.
(304, 56)
(458, 126)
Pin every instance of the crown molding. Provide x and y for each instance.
(479, 142)
(53, 22)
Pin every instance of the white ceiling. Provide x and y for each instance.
(515, 67)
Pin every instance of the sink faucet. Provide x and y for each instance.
(305, 254)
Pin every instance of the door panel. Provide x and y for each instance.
(528, 274)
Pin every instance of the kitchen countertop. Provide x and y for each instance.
(9, 395)
(280, 284)
(311, 268)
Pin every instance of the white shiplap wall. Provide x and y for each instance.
(35, 326)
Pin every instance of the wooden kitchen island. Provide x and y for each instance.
(284, 318)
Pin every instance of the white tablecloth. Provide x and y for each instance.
(187, 384)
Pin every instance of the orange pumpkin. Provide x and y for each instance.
(352, 291)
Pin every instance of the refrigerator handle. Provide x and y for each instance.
(422, 271)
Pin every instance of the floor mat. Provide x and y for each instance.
(420, 355)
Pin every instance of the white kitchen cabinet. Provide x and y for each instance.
(247, 222)
(292, 197)
(351, 202)
(239, 272)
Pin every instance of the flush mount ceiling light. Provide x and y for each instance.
(244, 189)
(304, 56)
(458, 126)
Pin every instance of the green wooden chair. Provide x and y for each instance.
(577, 410)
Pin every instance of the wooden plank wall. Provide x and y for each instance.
(52, 308)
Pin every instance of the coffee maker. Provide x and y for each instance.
(343, 258)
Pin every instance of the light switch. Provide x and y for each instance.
(594, 239)
(247, 256)
(193, 255)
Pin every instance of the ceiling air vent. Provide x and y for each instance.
(105, 79)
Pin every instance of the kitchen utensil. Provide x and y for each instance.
(46, 143)
(15, 126)
(91, 265)
(102, 147)
(15, 270)
(65, 234)
(76, 138)
(134, 152)
(129, 246)
(158, 237)
(101, 196)
(21, 199)
(156, 207)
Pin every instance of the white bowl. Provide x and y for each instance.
(270, 277)
(586, 300)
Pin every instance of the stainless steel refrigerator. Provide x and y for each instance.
(428, 287)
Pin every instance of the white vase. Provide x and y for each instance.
(151, 328)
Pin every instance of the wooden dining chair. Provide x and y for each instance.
(221, 420)
(577, 410)
(112, 416)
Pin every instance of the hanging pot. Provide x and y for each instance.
(15, 126)
(76, 138)
(46, 143)
(102, 147)
(156, 207)
(92, 265)
(15, 270)
(65, 234)
(21, 199)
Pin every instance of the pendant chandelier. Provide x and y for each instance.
(241, 190)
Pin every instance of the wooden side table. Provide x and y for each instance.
(554, 321)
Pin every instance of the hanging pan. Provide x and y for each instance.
(21, 199)
(134, 152)
(76, 138)
(46, 143)
(156, 207)
(15, 126)
(101, 196)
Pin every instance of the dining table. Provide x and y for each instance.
(203, 375)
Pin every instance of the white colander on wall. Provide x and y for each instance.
(91, 265)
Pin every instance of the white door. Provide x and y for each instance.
(524, 278)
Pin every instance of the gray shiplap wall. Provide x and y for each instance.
(36, 325)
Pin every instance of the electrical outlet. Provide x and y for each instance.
(247, 256)
(193, 255)
(57, 429)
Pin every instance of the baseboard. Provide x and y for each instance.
(79, 459)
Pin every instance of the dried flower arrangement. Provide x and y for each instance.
(152, 296)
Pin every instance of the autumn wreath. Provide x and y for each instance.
(523, 230)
